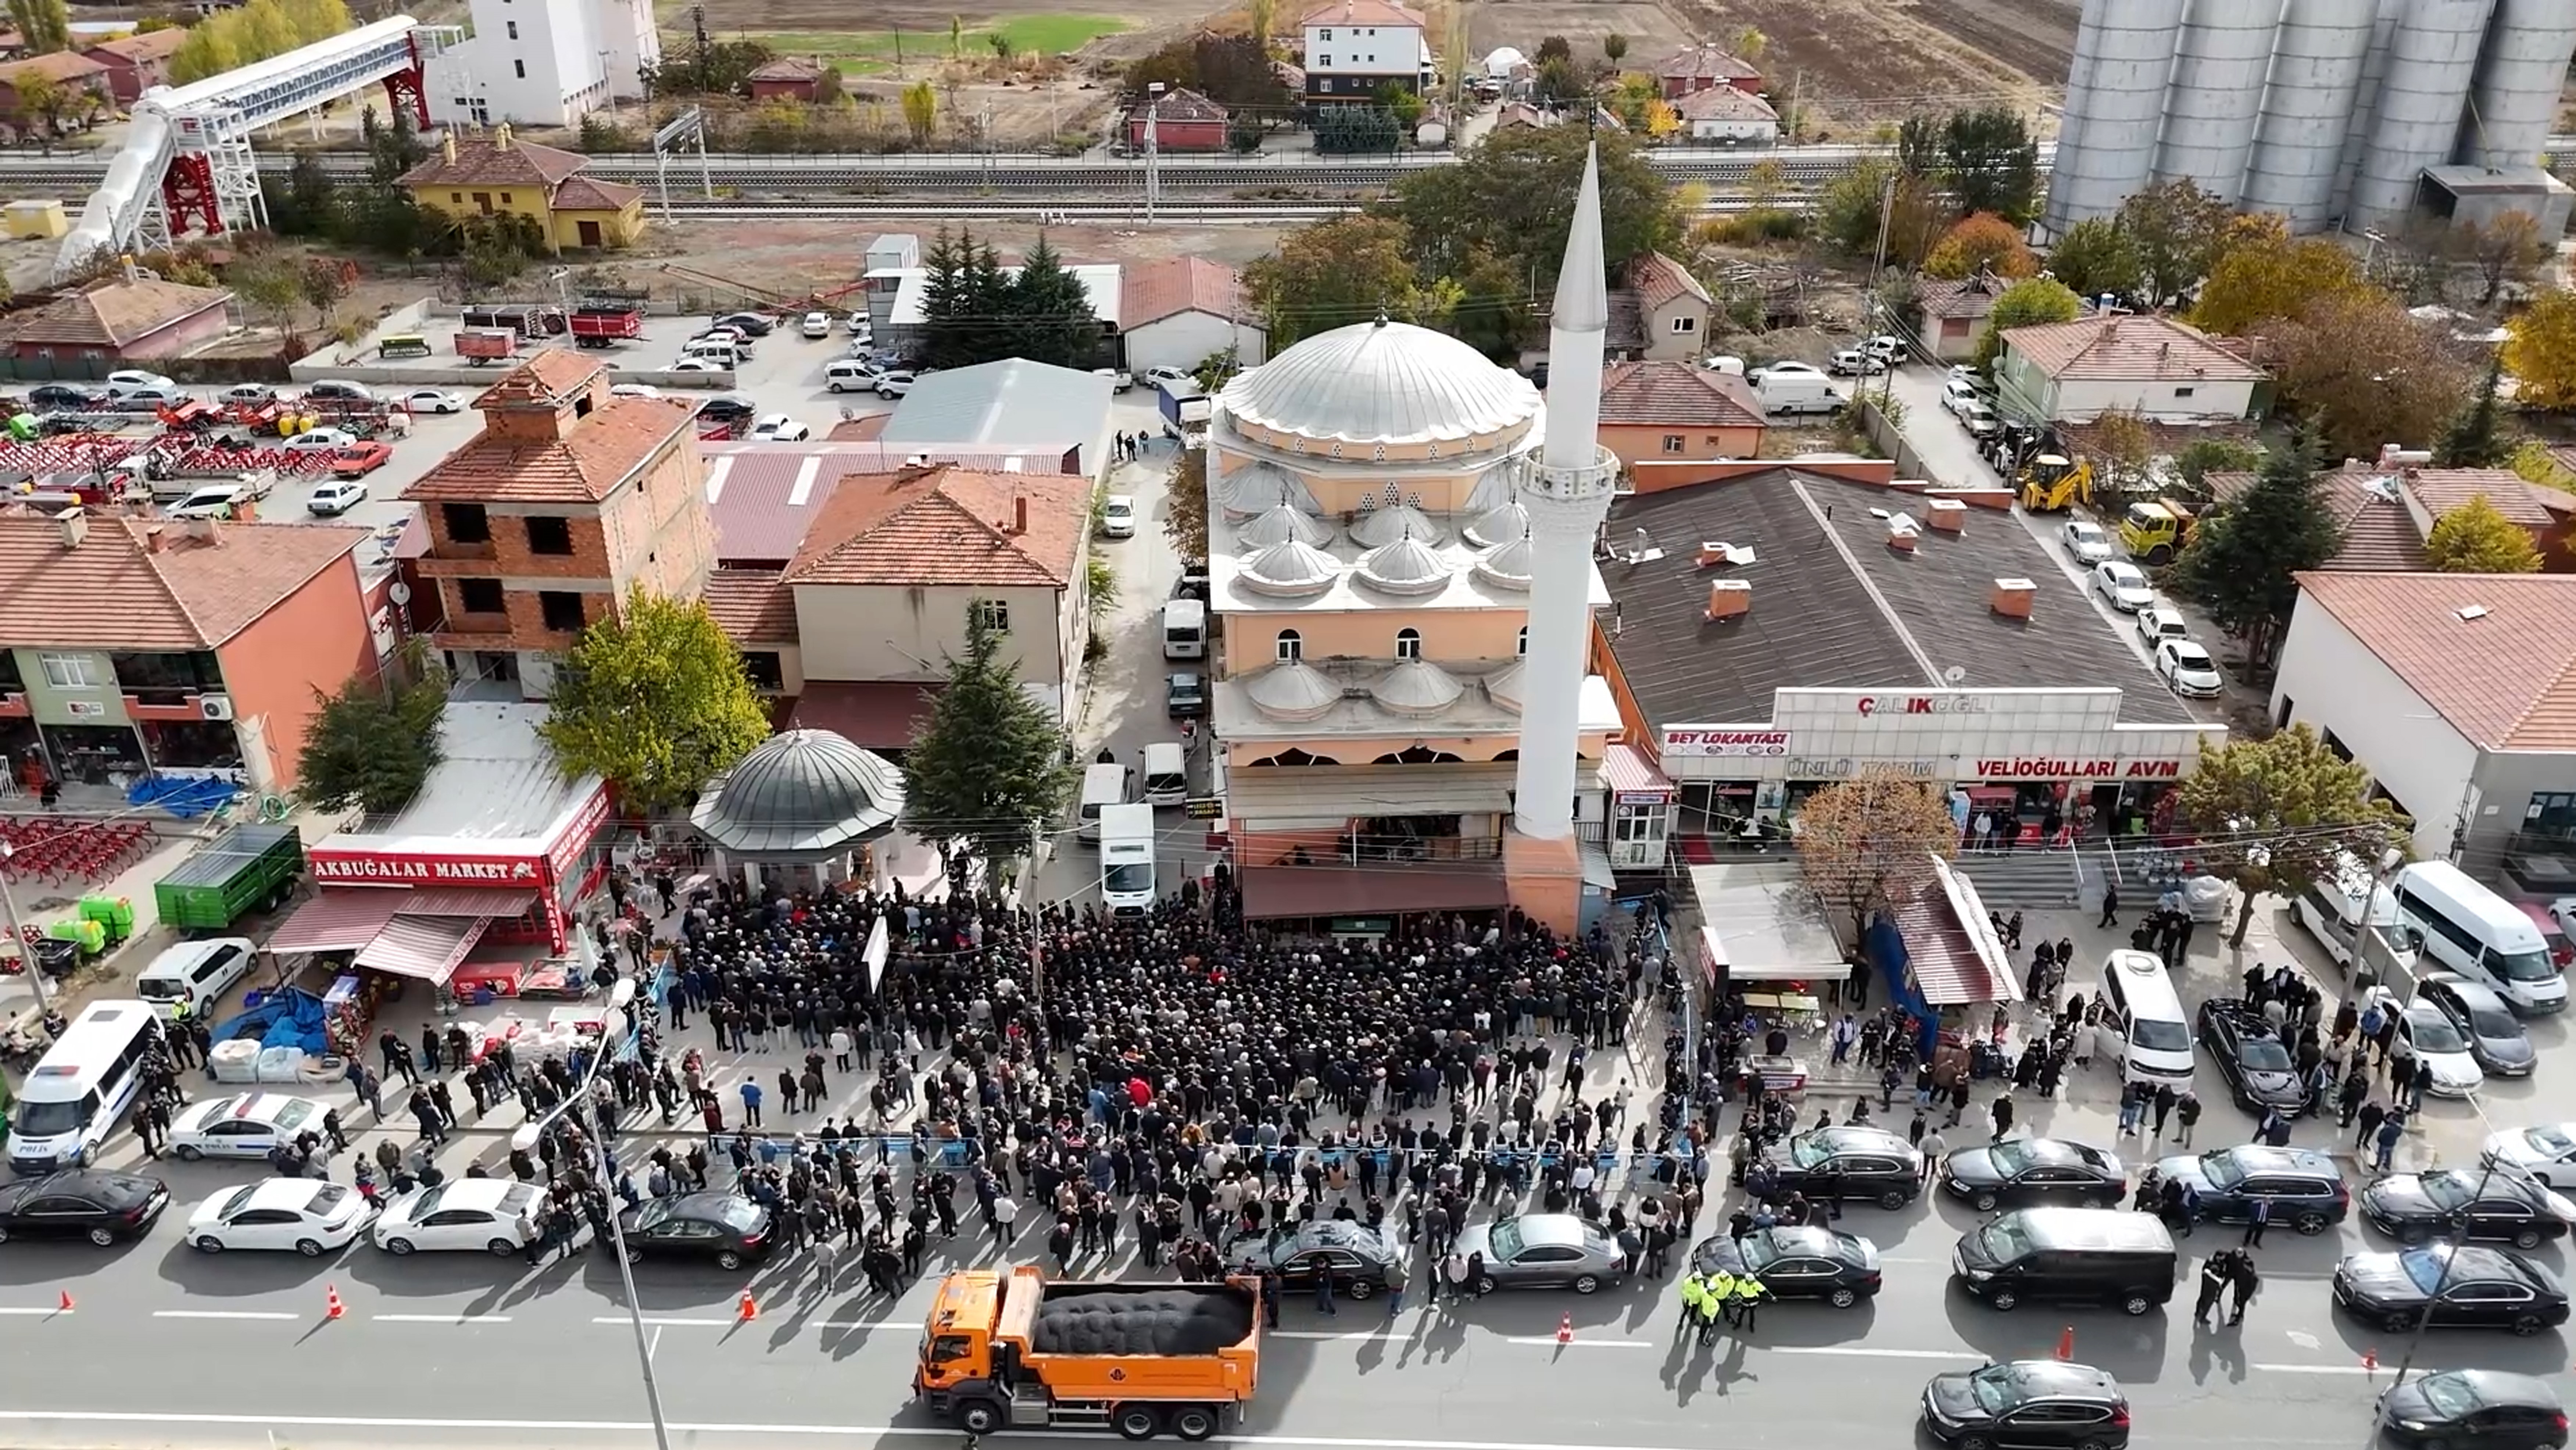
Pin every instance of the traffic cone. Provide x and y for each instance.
(332, 1308)
(747, 1310)
(65, 1306)
(2066, 1342)
(1565, 1329)
(2370, 1360)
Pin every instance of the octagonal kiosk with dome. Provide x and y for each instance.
(806, 810)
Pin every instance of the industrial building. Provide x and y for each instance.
(2350, 113)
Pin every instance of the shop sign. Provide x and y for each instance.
(1877, 705)
(420, 868)
(1709, 743)
(2047, 769)
(1645, 798)
(576, 837)
(1842, 769)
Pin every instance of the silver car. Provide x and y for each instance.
(1544, 1251)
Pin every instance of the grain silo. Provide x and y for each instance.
(2514, 105)
(2365, 102)
(2216, 99)
(2115, 103)
(2317, 62)
(2432, 59)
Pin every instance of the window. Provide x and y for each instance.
(512, 27)
(167, 679)
(548, 535)
(560, 608)
(992, 614)
(519, 68)
(1520, 650)
(479, 596)
(10, 679)
(1408, 644)
(466, 523)
(1685, 324)
(1289, 646)
(1327, 35)
(1673, 443)
(2182, 392)
(1324, 60)
(762, 666)
(70, 672)
(505, 198)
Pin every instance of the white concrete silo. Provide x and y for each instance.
(2365, 104)
(2317, 63)
(2432, 60)
(2513, 106)
(2216, 99)
(2115, 103)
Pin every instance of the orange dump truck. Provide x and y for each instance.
(1011, 1351)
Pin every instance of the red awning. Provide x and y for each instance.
(465, 901)
(876, 714)
(1951, 948)
(427, 947)
(1629, 773)
(341, 919)
(1272, 892)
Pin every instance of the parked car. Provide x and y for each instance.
(1543, 1251)
(2027, 1172)
(816, 324)
(432, 400)
(1851, 1162)
(749, 324)
(2188, 669)
(1852, 362)
(2119, 581)
(2447, 1203)
(2304, 1187)
(2250, 1054)
(243, 1125)
(2479, 1013)
(1161, 375)
(149, 395)
(1184, 694)
(2492, 1409)
(249, 395)
(2028, 1404)
(2085, 540)
(1980, 419)
(1120, 380)
(360, 459)
(1798, 1263)
(2441, 1049)
(126, 380)
(476, 1215)
(726, 1229)
(320, 440)
(61, 395)
(97, 1204)
(2448, 1286)
(2546, 1152)
(859, 325)
(339, 390)
(1957, 393)
(633, 390)
(692, 365)
(1354, 1254)
(779, 428)
(727, 408)
(335, 496)
(1887, 347)
(1118, 517)
(310, 1217)
(894, 384)
(2161, 621)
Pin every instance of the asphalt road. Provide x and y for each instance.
(165, 1345)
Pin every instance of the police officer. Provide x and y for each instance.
(1716, 1289)
(1692, 1288)
(1748, 1298)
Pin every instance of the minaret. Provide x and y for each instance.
(1566, 501)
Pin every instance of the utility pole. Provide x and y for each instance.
(1153, 149)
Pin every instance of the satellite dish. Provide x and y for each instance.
(1955, 674)
(399, 592)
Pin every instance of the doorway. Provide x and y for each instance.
(589, 234)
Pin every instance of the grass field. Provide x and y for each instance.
(874, 52)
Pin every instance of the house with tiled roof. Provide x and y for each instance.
(1674, 312)
(503, 175)
(1696, 68)
(1677, 412)
(2458, 693)
(195, 647)
(2387, 510)
(788, 78)
(1955, 310)
(1178, 311)
(71, 73)
(119, 320)
(138, 62)
(2155, 366)
(1728, 116)
(1356, 48)
(1183, 120)
(545, 521)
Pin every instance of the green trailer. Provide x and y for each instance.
(250, 867)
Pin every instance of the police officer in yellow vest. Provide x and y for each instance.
(1693, 1289)
(1748, 1292)
(1721, 1286)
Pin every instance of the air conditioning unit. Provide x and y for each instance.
(215, 707)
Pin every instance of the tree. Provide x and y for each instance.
(2027, 303)
(1614, 47)
(654, 701)
(314, 20)
(1990, 163)
(988, 767)
(1983, 242)
(2365, 373)
(2175, 229)
(2201, 457)
(1748, 45)
(41, 100)
(322, 283)
(1554, 47)
(2476, 538)
(1512, 195)
(1357, 130)
(1850, 206)
(270, 283)
(45, 26)
(1000, 44)
(2096, 257)
(1260, 19)
(1867, 843)
(1560, 80)
(2242, 558)
(828, 90)
(2540, 350)
(1243, 133)
(2506, 250)
(956, 37)
(2265, 276)
(1185, 506)
(2475, 439)
(2536, 462)
(920, 111)
(1344, 270)
(372, 744)
(1051, 314)
(2124, 444)
(2280, 813)
(266, 29)
(1401, 102)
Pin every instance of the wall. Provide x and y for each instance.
(315, 639)
(1183, 339)
(1634, 443)
(2080, 400)
(183, 334)
(855, 632)
(1171, 135)
(1661, 477)
(658, 530)
(1665, 344)
(1734, 129)
(1954, 339)
(2072, 732)
(1251, 640)
(1338, 486)
(1374, 52)
(2331, 681)
(51, 706)
(1884, 436)
(616, 228)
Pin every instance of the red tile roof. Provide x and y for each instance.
(752, 606)
(110, 591)
(2127, 348)
(503, 160)
(2505, 678)
(1361, 12)
(945, 525)
(787, 68)
(1676, 394)
(763, 498)
(1724, 103)
(65, 66)
(1706, 62)
(113, 312)
(145, 46)
(1967, 297)
(2440, 490)
(602, 451)
(2378, 533)
(552, 377)
(1152, 291)
(877, 714)
(583, 193)
(1180, 104)
(1658, 279)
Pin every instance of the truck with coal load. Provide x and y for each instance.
(1011, 1350)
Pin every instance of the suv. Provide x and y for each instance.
(2304, 1187)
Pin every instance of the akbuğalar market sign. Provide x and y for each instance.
(416, 869)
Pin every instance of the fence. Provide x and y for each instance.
(1884, 436)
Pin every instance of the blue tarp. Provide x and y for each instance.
(186, 799)
(288, 1017)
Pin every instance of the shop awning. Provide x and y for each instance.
(341, 919)
(466, 901)
(1713, 946)
(1302, 792)
(1274, 892)
(427, 947)
(877, 714)
(1951, 948)
(1628, 773)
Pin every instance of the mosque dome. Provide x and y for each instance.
(1377, 527)
(1497, 485)
(1290, 569)
(1506, 566)
(1381, 382)
(1503, 686)
(801, 794)
(1505, 523)
(1280, 525)
(1257, 488)
(1293, 690)
(1406, 565)
(1416, 687)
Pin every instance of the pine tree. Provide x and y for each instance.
(2241, 562)
(942, 299)
(1053, 314)
(2476, 438)
(989, 767)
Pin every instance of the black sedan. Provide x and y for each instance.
(2494, 1034)
(60, 395)
(749, 324)
(1184, 694)
(726, 408)
(2492, 1409)
(1845, 1163)
(2034, 1172)
(2250, 1054)
(723, 1227)
(1797, 1263)
(1354, 1254)
(88, 1203)
(2027, 1403)
(2447, 1286)
(2415, 1207)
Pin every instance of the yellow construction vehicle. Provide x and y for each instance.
(2154, 530)
(2051, 484)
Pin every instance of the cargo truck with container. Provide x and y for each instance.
(1009, 1350)
(480, 345)
(251, 867)
(606, 324)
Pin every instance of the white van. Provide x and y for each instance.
(81, 1087)
(2480, 935)
(2145, 1032)
(1167, 774)
(714, 350)
(1184, 629)
(1104, 784)
(1127, 859)
(852, 375)
(192, 975)
(2336, 909)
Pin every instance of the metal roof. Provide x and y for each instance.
(802, 795)
(1013, 403)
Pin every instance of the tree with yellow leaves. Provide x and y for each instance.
(1984, 242)
(2476, 538)
(2540, 351)
(2262, 276)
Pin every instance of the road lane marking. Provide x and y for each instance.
(224, 1314)
(440, 1318)
(42, 1313)
(2314, 1369)
(622, 1321)
(1860, 1351)
(1579, 1342)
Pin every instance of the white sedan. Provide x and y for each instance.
(2188, 668)
(816, 324)
(693, 365)
(432, 400)
(312, 1218)
(779, 428)
(246, 1125)
(2086, 541)
(320, 440)
(2546, 1152)
(2440, 1051)
(1117, 517)
(633, 390)
(859, 325)
(476, 1215)
(2121, 583)
(336, 496)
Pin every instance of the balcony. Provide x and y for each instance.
(163, 705)
(483, 624)
(15, 703)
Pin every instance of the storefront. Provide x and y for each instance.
(1641, 808)
(517, 890)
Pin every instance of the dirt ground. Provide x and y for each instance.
(2036, 37)
(1652, 32)
(1854, 65)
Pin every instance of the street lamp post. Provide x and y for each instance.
(612, 1026)
(18, 933)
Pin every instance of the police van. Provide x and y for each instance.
(82, 1086)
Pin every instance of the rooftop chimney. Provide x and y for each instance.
(152, 540)
(1020, 514)
(1945, 515)
(75, 526)
(209, 531)
(501, 136)
(2012, 597)
(447, 146)
(1901, 532)
(1728, 598)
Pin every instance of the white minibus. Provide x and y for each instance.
(82, 1086)
(2480, 935)
(1167, 774)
